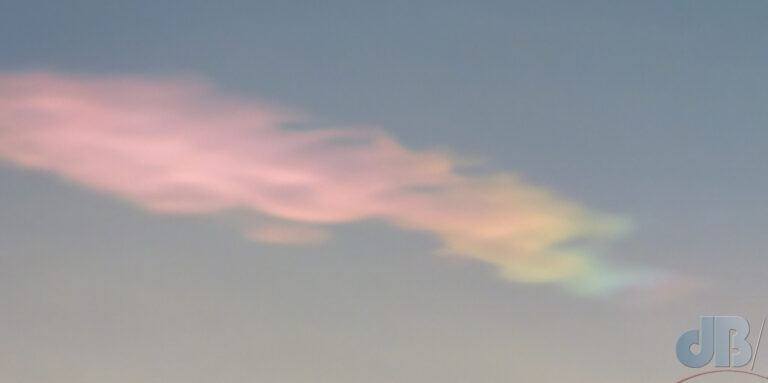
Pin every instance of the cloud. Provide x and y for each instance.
(176, 146)
(287, 234)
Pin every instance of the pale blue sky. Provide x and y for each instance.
(652, 110)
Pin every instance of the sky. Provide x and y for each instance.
(427, 191)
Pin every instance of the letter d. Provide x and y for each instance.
(704, 338)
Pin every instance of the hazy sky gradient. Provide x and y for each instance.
(654, 111)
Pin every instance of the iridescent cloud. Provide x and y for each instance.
(175, 146)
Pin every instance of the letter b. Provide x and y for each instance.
(724, 342)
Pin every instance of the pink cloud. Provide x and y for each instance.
(176, 146)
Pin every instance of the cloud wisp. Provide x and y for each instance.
(177, 146)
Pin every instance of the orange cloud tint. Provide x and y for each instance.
(176, 146)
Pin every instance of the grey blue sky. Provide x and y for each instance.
(652, 111)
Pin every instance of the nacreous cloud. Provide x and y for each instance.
(175, 146)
